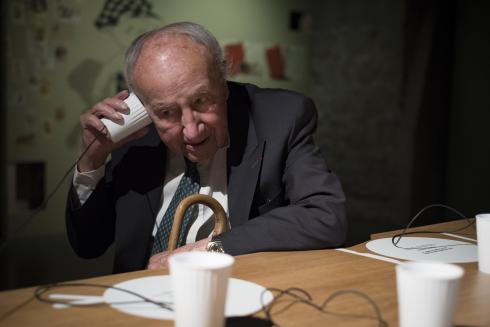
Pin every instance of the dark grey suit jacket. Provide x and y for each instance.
(281, 195)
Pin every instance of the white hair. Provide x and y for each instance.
(196, 32)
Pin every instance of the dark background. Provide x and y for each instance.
(406, 87)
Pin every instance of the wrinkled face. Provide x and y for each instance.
(184, 95)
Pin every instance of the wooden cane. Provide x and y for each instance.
(220, 219)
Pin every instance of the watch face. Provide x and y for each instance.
(215, 247)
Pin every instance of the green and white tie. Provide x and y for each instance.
(189, 185)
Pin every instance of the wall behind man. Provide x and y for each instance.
(402, 91)
(357, 63)
(468, 175)
(3, 122)
(60, 63)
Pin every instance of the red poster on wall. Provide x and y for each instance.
(235, 55)
(275, 61)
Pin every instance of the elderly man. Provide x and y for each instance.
(251, 149)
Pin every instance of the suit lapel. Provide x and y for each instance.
(244, 156)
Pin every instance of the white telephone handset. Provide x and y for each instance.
(134, 121)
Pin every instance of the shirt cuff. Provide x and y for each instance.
(85, 182)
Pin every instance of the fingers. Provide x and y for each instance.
(110, 108)
(117, 104)
(95, 133)
(122, 94)
(158, 261)
(91, 122)
(154, 265)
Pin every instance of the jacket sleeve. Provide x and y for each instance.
(91, 227)
(308, 210)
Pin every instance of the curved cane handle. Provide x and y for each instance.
(221, 221)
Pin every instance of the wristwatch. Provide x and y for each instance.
(215, 245)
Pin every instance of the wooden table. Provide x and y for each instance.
(319, 272)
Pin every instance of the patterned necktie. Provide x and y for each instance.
(189, 184)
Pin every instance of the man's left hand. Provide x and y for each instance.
(160, 260)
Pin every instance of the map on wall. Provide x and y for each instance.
(122, 21)
(44, 56)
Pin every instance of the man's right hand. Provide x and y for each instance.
(93, 128)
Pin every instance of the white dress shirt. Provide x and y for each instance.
(212, 178)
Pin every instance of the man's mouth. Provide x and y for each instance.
(197, 144)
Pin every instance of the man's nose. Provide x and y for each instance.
(190, 124)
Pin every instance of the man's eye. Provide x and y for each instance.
(166, 114)
(201, 101)
(162, 113)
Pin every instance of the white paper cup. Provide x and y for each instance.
(134, 121)
(483, 236)
(199, 285)
(427, 293)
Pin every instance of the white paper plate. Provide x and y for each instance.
(426, 249)
(244, 298)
